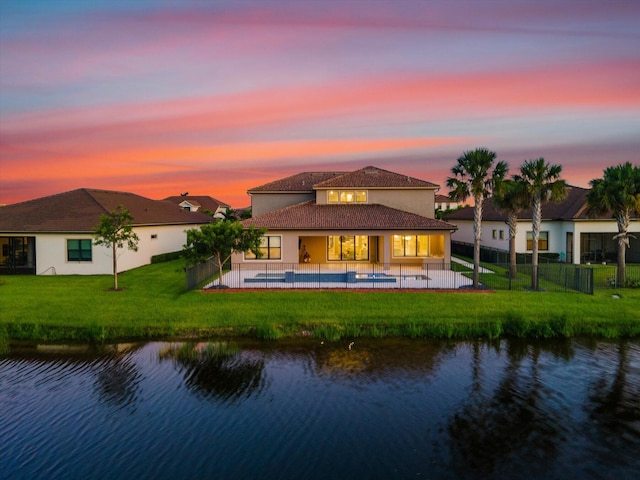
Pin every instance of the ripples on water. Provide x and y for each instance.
(375, 409)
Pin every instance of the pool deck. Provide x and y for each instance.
(314, 277)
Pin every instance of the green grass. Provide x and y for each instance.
(154, 304)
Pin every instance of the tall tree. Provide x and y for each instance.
(511, 198)
(617, 193)
(221, 239)
(543, 184)
(114, 231)
(473, 176)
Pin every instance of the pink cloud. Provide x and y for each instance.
(578, 86)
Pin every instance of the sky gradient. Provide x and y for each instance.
(160, 97)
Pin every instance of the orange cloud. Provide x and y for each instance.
(283, 126)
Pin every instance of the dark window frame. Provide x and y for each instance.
(77, 250)
(267, 248)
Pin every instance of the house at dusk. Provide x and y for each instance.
(368, 215)
(566, 231)
(444, 203)
(200, 203)
(54, 234)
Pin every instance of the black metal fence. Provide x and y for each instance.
(558, 277)
(552, 276)
(198, 274)
(582, 278)
(605, 276)
(497, 256)
(356, 275)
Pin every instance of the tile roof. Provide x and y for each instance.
(368, 177)
(311, 216)
(300, 182)
(374, 177)
(205, 202)
(574, 207)
(80, 210)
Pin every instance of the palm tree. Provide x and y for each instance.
(473, 177)
(617, 192)
(511, 198)
(543, 184)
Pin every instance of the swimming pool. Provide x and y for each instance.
(289, 276)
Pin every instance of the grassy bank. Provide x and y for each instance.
(153, 304)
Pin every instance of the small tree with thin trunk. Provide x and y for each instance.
(115, 231)
(473, 177)
(617, 193)
(221, 239)
(542, 182)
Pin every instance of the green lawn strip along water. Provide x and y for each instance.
(152, 303)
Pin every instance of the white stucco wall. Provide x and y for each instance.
(557, 234)
(51, 251)
(51, 256)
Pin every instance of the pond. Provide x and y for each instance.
(304, 409)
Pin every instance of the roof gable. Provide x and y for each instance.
(79, 211)
(300, 182)
(203, 202)
(374, 177)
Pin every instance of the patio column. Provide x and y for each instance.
(387, 245)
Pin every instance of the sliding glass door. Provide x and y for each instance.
(348, 247)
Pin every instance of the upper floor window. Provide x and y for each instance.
(79, 250)
(347, 196)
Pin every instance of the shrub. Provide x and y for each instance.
(515, 325)
(268, 332)
(561, 327)
(329, 333)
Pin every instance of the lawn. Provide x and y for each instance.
(153, 304)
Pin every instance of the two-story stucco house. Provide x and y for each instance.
(369, 215)
(566, 230)
(54, 234)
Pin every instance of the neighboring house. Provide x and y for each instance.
(54, 235)
(200, 203)
(445, 203)
(368, 215)
(566, 230)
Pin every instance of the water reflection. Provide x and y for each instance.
(117, 375)
(614, 403)
(113, 368)
(217, 369)
(392, 408)
(516, 419)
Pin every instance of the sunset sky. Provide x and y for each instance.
(215, 97)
